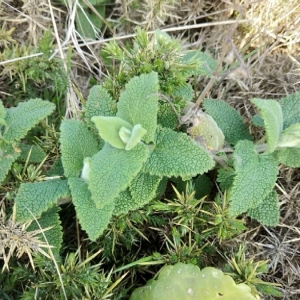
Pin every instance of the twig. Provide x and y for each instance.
(179, 28)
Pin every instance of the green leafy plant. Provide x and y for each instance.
(127, 171)
(187, 281)
(118, 158)
(121, 155)
(15, 122)
(250, 173)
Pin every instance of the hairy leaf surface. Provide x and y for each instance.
(184, 91)
(2, 112)
(8, 154)
(167, 117)
(92, 219)
(290, 137)
(34, 152)
(123, 203)
(53, 236)
(143, 188)
(26, 115)
(289, 157)
(290, 109)
(176, 154)
(77, 143)
(254, 180)
(267, 212)
(112, 170)
(138, 103)
(225, 178)
(206, 64)
(228, 119)
(99, 103)
(270, 111)
(36, 198)
(56, 169)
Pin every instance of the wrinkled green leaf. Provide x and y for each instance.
(138, 103)
(255, 178)
(290, 137)
(8, 154)
(112, 170)
(123, 203)
(26, 115)
(228, 119)
(289, 157)
(93, 220)
(290, 109)
(206, 64)
(35, 198)
(77, 143)
(99, 103)
(53, 236)
(143, 188)
(168, 115)
(267, 212)
(176, 154)
(35, 153)
(270, 111)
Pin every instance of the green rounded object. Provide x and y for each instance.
(186, 281)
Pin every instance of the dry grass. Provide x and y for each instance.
(266, 48)
(16, 240)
